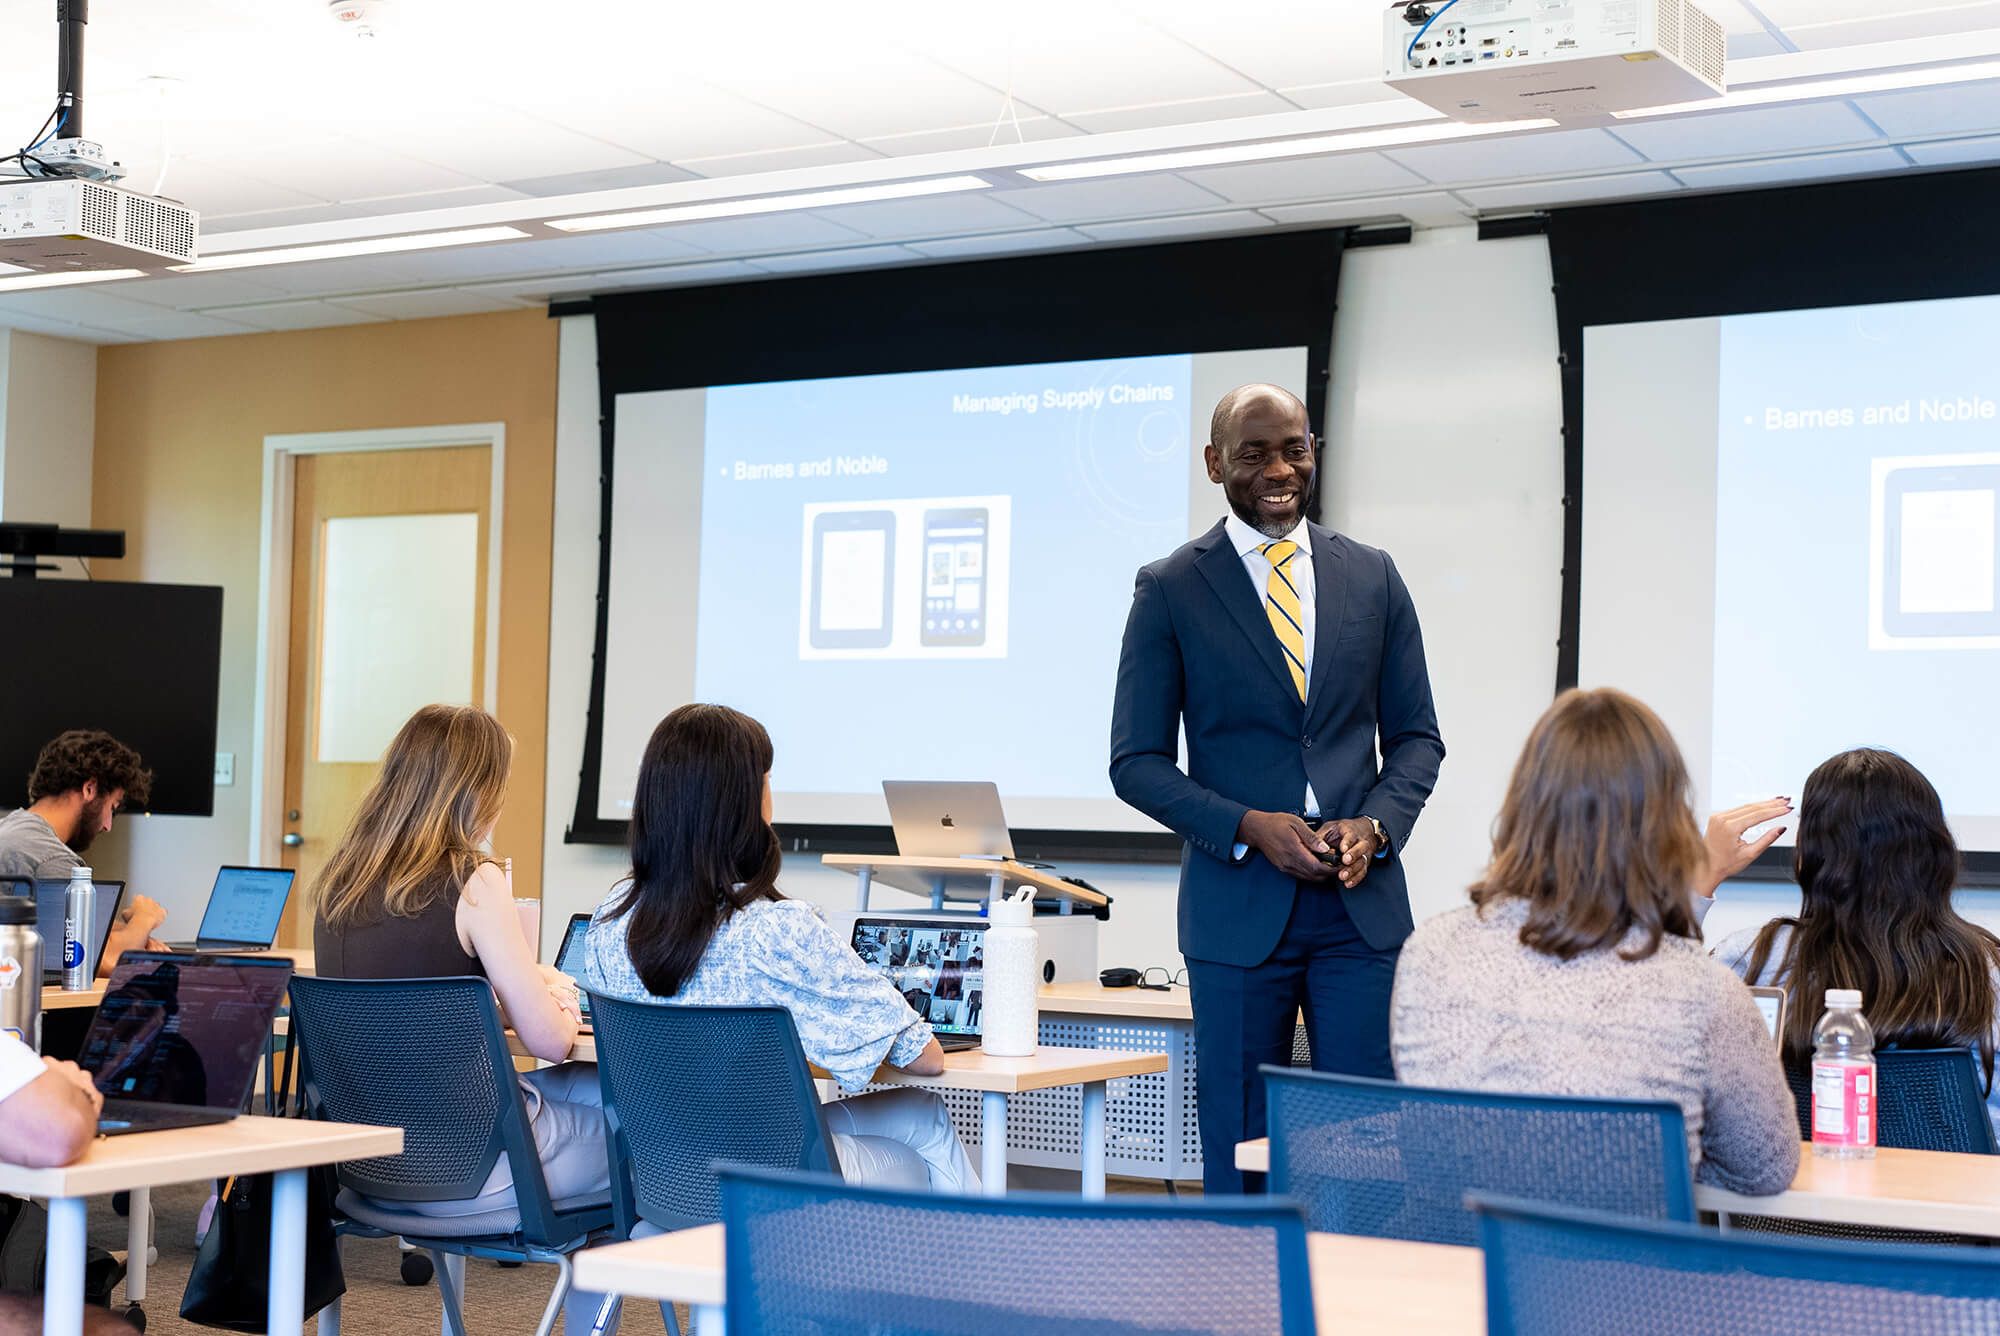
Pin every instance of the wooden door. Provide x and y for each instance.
(388, 612)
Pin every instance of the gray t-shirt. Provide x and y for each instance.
(29, 847)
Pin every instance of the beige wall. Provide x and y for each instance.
(179, 467)
(47, 402)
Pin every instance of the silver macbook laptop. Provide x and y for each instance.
(947, 819)
(569, 959)
(52, 905)
(244, 910)
(938, 965)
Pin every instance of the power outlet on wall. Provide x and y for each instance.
(225, 769)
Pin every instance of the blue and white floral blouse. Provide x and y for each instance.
(778, 953)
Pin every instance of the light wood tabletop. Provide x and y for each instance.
(247, 1145)
(1359, 1285)
(1094, 999)
(1898, 1189)
(1254, 1157)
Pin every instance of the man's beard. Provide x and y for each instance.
(87, 824)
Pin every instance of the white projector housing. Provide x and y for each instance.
(72, 226)
(1508, 60)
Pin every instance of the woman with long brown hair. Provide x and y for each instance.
(413, 891)
(1876, 865)
(1579, 969)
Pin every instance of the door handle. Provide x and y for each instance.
(293, 839)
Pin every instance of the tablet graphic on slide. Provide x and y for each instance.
(853, 556)
(1936, 563)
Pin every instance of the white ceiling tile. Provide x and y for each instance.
(1540, 194)
(429, 303)
(1279, 42)
(1861, 162)
(665, 118)
(1031, 130)
(828, 154)
(298, 315)
(55, 329)
(1953, 152)
(841, 91)
(335, 168)
(1114, 197)
(1352, 93)
(184, 292)
(1304, 178)
(1546, 154)
(182, 325)
(593, 250)
(754, 234)
(1195, 225)
(680, 275)
(613, 178)
(1751, 130)
(87, 304)
(1751, 45)
(1145, 116)
(934, 215)
(1433, 209)
(484, 141)
(224, 188)
(223, 224)
(1820, 24)
(1921, 113)
(860, 257)
(967, 248)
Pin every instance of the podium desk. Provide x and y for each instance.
(972, 880)
(1358, 1284)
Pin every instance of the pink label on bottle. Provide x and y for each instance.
(1843, 1103)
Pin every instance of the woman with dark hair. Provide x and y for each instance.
(1876, 865)
(701, 921)
(1579, 968)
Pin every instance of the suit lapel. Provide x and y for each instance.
(1329, 606)
(1223, 570)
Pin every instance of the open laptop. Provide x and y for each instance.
(244, 910)
(947, 819)
(1771, 1002)
(51, 899)
(177, 1039)
(569, 959)
(938, 965)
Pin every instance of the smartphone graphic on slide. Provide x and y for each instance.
(853, 579)
(955, 576)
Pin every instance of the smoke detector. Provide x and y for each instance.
(363, 18)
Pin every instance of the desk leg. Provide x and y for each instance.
(1092, 1144)
(993, 1142)
(708, 1320)
(138, 1242)
(285, 1306)
(62, 1291)
(996, 888)
(864, 877)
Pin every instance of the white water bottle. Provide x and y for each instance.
(1013, 981)
(1845, 1097)
(79, 922)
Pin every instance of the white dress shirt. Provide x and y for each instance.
(19, 1064)
(1247, 540)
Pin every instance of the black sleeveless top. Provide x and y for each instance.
(386, 947)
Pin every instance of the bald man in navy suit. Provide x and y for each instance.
(1289, 654)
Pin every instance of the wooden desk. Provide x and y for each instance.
(1898, 1189)
(1359, 1285)
(286, 1147)
(959, 878)
(1254, 1157)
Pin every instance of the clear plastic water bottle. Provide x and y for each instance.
(79, 921)
(1844, 1093)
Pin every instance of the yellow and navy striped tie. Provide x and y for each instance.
(1281, 605)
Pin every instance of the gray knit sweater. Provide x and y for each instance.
(1475, 1009)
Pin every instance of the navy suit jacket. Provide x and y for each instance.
(1199, 653)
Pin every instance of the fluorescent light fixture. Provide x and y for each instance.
(736, 208)
(1852, 85)
(339, 250)
(1393, 137)
(67, 277)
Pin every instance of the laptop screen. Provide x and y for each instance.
(246, 906)
(184, 1030)
(939, 966)
(570, 957)
(1771, 1005)
(51, 897)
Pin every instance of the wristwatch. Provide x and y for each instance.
(1381, 835)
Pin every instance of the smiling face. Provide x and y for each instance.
(1263, 457)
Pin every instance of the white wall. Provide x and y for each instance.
(48, 428)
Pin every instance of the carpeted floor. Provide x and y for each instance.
(498, 1300)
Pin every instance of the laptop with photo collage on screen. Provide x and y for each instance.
(938, 965)
(569, 959)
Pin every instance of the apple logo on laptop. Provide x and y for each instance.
(945, 821)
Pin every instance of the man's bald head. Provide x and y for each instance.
(1231, 407)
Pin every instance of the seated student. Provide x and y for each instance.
(701, 921)
(1876, 865)
(410, 892)
(1579, 968)
(79, 782)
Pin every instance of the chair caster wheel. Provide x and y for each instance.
(417, 1269)
(136, 1315)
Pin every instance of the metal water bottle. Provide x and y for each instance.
(20, 972)
(79, 922)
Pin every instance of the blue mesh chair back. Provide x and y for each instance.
(1558, 1270)
(1395, 1161)
(809, 1254)
(1927, 1099)
(686, 1088)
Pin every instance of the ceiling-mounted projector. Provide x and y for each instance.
(1576, 61)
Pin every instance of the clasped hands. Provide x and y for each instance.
(1299, 849)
